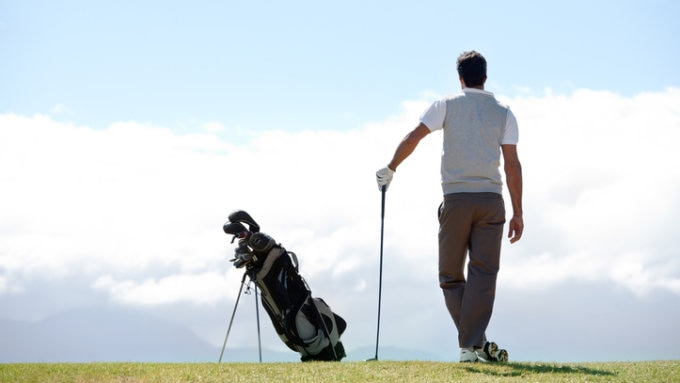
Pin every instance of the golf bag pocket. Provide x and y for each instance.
(305, 324)
(319, 329)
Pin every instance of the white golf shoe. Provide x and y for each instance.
(468, 355)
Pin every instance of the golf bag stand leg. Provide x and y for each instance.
(257, 316)
(231, 321)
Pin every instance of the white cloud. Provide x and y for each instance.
(600, 181)
(138, 209)
(213, 127)
(204, 288)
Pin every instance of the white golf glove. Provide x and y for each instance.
(384, 177)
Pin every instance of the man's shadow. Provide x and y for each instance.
(518, 369)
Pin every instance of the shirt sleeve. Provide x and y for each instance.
(434, 116)
(511, 131)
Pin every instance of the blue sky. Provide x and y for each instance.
(130, 130)
(298, 65)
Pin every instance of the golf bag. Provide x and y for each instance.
(304, 323)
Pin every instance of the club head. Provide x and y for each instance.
(239, 262)
(242, 216)
(372, 359)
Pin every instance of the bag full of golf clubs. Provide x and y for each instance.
(305, 324)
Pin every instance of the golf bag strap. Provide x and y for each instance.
(293, 257)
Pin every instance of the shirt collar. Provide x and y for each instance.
(475, 90)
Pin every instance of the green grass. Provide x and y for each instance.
(657, 371)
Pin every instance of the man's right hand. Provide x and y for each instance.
(516, 228)
(384, 177)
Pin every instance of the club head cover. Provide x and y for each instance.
(234, 228)
(243, 217)
(261, 243)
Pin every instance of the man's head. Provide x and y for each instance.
(472, 69)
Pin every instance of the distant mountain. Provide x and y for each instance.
(108, 335)
(122, 335)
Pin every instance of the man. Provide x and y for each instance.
(477, 130)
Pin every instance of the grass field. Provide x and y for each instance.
(658, 371)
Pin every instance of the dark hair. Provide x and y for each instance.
(472, 68)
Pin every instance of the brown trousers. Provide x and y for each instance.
(470, 223)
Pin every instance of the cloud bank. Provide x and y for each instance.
(134, 210)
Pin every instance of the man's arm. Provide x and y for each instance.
(513, 177)
(408, 145)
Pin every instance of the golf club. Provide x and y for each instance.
(382, 230)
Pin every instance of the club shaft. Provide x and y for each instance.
(382, 232)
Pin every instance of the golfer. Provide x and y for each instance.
(477, 129)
